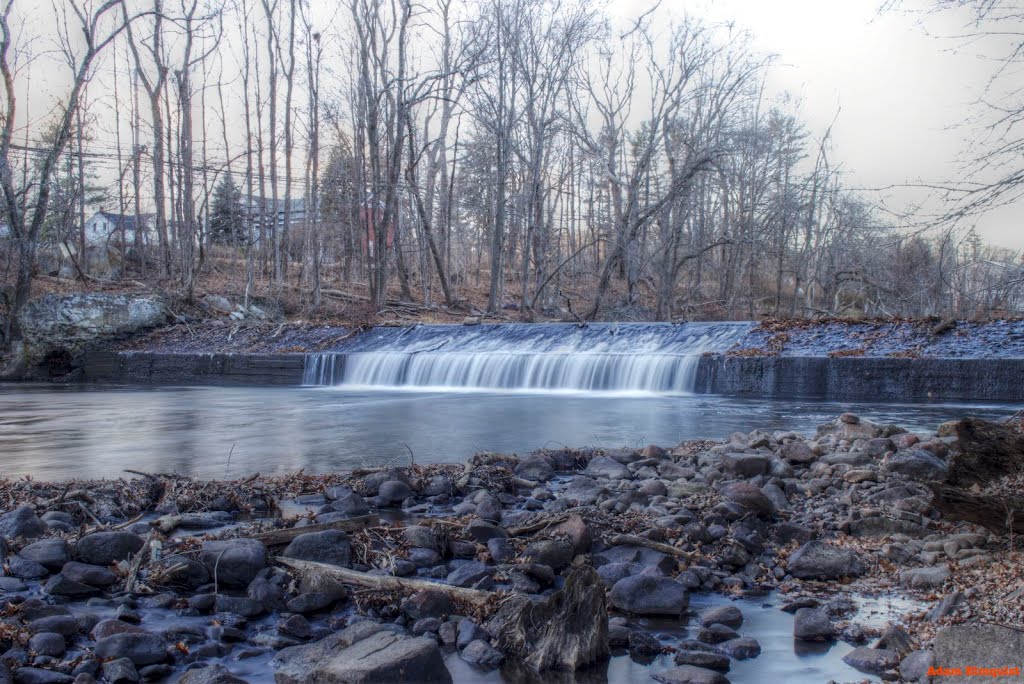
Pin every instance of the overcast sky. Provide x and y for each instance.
(898, 94)
(900, 91)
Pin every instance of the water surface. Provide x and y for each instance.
(56, 432)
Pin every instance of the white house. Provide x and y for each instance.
(104, 227)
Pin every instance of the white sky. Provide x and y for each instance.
(901, 92)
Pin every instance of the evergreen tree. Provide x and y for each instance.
(227, 214)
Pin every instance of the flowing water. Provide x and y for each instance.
(563, 357)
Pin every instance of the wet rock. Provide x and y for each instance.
(481, 653)
(234, 562)
(750, 497)
(350, 504)
(608, 468)
(647, 595)
(23, 568)
(817, 560)
(330, 546)
(536, 468)
(468, 574)
(211, 674)
(742, 648)
(425, 625)
(21, 522)
(47, 644)
(618, 636)
(182, 571)
(52, 554)
(643, 644)
(206, 520)
(946, 606)
(731, 616)
(421, 536)
(689, 674)
(65, 625)
(924, 578)
(641, 557)
(484, 531)
(813, 624)
(312, 602)
(394, 491)
(382, 656)
(501, 551)
(59, 585)
(84, 573)
(917, 464)
(239, 605)
(141, 648)
(106, 548)
(35, 675)
(914, 667)
(555, 553)
(709, 660)
(716, 634)
(120, 671)
(12, 585)
(578, 532)
(105, 628)
(872, 660)
(426, 604)
(895, 638)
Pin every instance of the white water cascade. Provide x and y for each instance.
(550, 357)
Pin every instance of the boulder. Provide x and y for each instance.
(57, 324)
(743, 648)
(582, 491)
(914, 667)
(917, 464)
(730, 616)
(555, 553)
(329, 546)
(211, 674)
(21, 522)
(798, 451)
(981, 645)
(648, 595)
(234, 562)
(608, 468)
(924, 578)
(745, 465)
(142, 648)
(813, 624)
(817, 560)
(120, 671)
(52, 554)
(750, 497)
(536, 468)
(706, 659)
(481, 653)
(429, 603)
(106, 548)
(93, 575)
(382, 656)
(468, 574)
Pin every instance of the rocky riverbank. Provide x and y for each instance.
(541, 564)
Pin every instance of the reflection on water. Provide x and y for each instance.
(53, 432)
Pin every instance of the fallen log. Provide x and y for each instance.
(998, 514)
(285, 536)
(316, 573)
(632, 540)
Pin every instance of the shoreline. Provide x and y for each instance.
(816, 521)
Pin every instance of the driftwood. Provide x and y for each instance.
(565, 631)
(285, 536)
(317, 573)
(998, 514)
(131, 582)
(631, 540)
(986, 451)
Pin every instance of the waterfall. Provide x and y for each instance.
(547, 357)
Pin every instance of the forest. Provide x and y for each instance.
(520, 158)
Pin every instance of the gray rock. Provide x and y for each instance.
(106, 548)
(21, 522)
(59, 585)
(483, 531)
(582, 491)
(93, 575)
(716, 634)
(330, 546)
(731, 616)
(872, 660)
(750, 497)
(983, 645)
(799, 452)
(120, 671)
(37, 675)
(647, 595)
(817, 560)
(382, 656)
(427, 603)
(468, 574)
(536, 468)
(234, 562)
(917, 464)
(239, 605)
(141, 648)
(468, 631)
(608, 468)
(914, 668)
(705, 659)
(422, 536)
(52, 554)
(211, 674)
(182, 571)
(555, 553)
(745, 465)
(689, 674)
(312, 602)
(24, 568)
(350, 504)
(479, 652)
(47, 644)
(394, 491)
(924, 578)
(742, 648)
(813, 624)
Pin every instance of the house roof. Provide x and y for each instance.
(126, 221)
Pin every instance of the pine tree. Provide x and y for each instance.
(227, 214)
